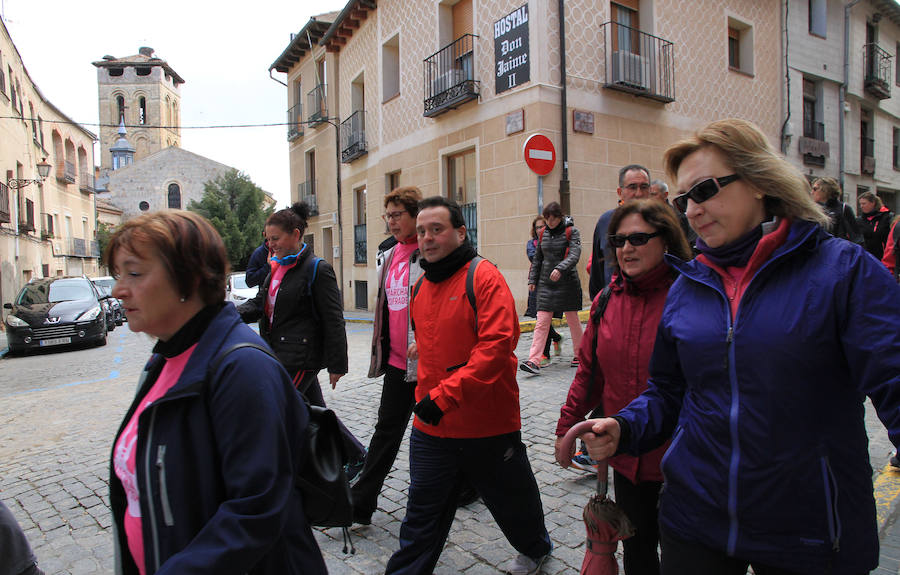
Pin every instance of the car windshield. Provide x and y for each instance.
(105, 283)
(239, 281)
(51, 292)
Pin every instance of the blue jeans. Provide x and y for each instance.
(497, 467)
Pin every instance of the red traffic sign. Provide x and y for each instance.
(540, 155)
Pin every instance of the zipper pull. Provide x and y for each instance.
(730, 336)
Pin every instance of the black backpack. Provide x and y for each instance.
(322, 480)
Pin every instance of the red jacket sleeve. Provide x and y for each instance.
(890, 257)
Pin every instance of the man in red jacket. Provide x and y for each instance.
(467, 424)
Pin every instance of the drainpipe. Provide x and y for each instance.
(787, 129)
(276, 79)
(842, 97)
(563, 116)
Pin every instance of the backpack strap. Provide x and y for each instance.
(414, 293)
(217, 361)
(602, 301)
(470, 286)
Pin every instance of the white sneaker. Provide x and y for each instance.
(525, 565)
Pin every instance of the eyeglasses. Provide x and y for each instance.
(702, 191)
(636, 239)
(390, 216)
(635, 187)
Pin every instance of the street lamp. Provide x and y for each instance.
(43, 171)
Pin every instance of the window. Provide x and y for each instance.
(461, 178)
(390, 68)
(896, 146)
(625, 35)
(818, 17)
(2, 75)
(41, 130)
(812, 110)
(12, 90)
(114, 72)
(143, 206)
(740, 46)
(143, 70)
(359, 229)
(34, 132)
(866, 143)
(120, 108)
(174, 196)
(391, 182)
(142, 110)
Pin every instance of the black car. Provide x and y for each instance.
(54, 312)
(115, 315)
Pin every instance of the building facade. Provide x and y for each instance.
(47, 227)
(141, 92)
(843, 90)
(443, 95)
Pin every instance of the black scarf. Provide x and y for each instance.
(735, 254)
(442, 269)
(190, 333)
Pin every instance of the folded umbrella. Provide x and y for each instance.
(606, 524)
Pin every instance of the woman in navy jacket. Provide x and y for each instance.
(769, 342)
(204, 464)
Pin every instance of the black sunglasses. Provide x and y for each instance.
(636, 239)
(702, 191)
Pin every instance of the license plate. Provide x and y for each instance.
(55, 341)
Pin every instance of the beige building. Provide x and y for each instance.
(143, 93)
(47, 226)
(443, 95)
(843, 120)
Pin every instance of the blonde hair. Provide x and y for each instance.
(748, 153)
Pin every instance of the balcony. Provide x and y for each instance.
(294, 127)
(353, 137)
(86, 184)
(867, 155)
(359, 244)
(76, 247)
(450, 77)
(812, 144)
(877, 67)
(69, 173)
(637, 63)
(46, 226)
(470, 215)
(306, 191)
(26, 217)
(4, 204)
(318, 109)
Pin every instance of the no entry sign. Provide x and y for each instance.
(540, 155)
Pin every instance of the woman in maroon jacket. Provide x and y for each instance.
(615, 371)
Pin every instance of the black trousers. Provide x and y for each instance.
(640, 502)
(307, 383)
(683, 558)
(397, 401)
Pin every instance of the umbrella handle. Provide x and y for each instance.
(565, 448)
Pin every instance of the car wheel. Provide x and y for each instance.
(102, 341)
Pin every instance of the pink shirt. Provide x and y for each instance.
(124, 460)
(396, 290)
(278, 272)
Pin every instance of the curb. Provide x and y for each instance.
(887, 494)
(528, 324)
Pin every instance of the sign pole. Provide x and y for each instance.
(540, 194)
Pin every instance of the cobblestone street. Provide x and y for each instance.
(59, 411)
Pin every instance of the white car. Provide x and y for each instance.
(237, 290)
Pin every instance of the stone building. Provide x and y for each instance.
(47, 226)
(443, 95)
(143, 93)
(843, 118)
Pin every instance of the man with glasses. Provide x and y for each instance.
(659, 190)
(398, 268)
(634, 184)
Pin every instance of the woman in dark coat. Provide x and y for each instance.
(554, 276)
(875, 223)
(537, 225)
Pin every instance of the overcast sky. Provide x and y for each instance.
(222, 49)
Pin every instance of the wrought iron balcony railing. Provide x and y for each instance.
(294, 117)
(812, 144)
(46, 226)
(470, 215)
(318, 108)
(867, 155)
(69, 173)
(359, 244)
(313, 203)
(637, 62)
(877, 67)
(353, 137)
(87, 183)
(306, 191)
(449, 76)
(4, 204)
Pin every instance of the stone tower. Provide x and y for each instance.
(141, 92)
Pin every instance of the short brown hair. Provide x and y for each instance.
(553, 209)
(191, 250)
(830, 186)
(659, 215)
(872, 198)
(747, 151)
(407, 196)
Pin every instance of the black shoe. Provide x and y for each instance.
(467, 496)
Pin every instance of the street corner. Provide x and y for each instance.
(887, 496)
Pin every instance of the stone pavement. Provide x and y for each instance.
(53, 466)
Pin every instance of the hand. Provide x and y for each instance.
(428, 411)
(531, 287)
(334, 377)
(555, 275)
(564, 459)
(413, 351)
(603, 442)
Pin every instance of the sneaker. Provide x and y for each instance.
(574, 362)
(583, 461)
(353, 468)
(530, 367)
(525, 565)
(545, 361)
(557, 348)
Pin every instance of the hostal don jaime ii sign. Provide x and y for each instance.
(511, 50)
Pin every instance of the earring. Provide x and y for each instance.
(182, 299)
(758, 196)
